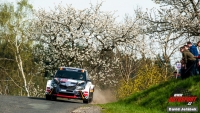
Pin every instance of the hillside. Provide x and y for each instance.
(155, 99)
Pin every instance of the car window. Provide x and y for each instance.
(70, 75)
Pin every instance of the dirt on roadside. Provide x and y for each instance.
(88, 109)
(100, 97)
(103, 96)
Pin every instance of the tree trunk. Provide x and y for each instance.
(20, 66)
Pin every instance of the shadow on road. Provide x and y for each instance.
(59, 100)
(37, 98)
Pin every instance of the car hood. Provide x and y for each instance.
(68, 82)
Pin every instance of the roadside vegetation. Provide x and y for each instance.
(155, 99)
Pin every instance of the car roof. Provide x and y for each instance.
(72, 68)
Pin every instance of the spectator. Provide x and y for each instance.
(192, 48)
(176, 75)
(182, 70)
(198, 49)
(189, 60)
(194, 51)
(186, 47)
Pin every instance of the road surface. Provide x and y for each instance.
(18, 104)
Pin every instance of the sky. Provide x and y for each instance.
(121, 7)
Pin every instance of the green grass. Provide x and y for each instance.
(155, 99)
(126, 108)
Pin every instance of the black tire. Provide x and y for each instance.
(54, 98)
(86, 101)
(48, 97)
(91, 97)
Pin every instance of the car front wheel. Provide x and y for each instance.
(86, 101)
(54, 98)
(48, 97)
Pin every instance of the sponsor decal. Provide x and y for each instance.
(86, 97)
(63, 80)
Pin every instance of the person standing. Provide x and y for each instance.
(182, 70)
(192, 48)
(198, 49)
(189, 60)
(194, 51)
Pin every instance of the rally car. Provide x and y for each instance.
(71, 83)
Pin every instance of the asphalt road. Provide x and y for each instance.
(18, 104)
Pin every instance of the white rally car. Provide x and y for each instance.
(71, 83)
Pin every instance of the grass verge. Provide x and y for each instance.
(155, 99)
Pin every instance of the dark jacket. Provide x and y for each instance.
(193, 50)
(187, 56)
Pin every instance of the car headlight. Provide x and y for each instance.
(79, 88)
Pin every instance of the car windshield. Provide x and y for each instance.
(70, 75)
